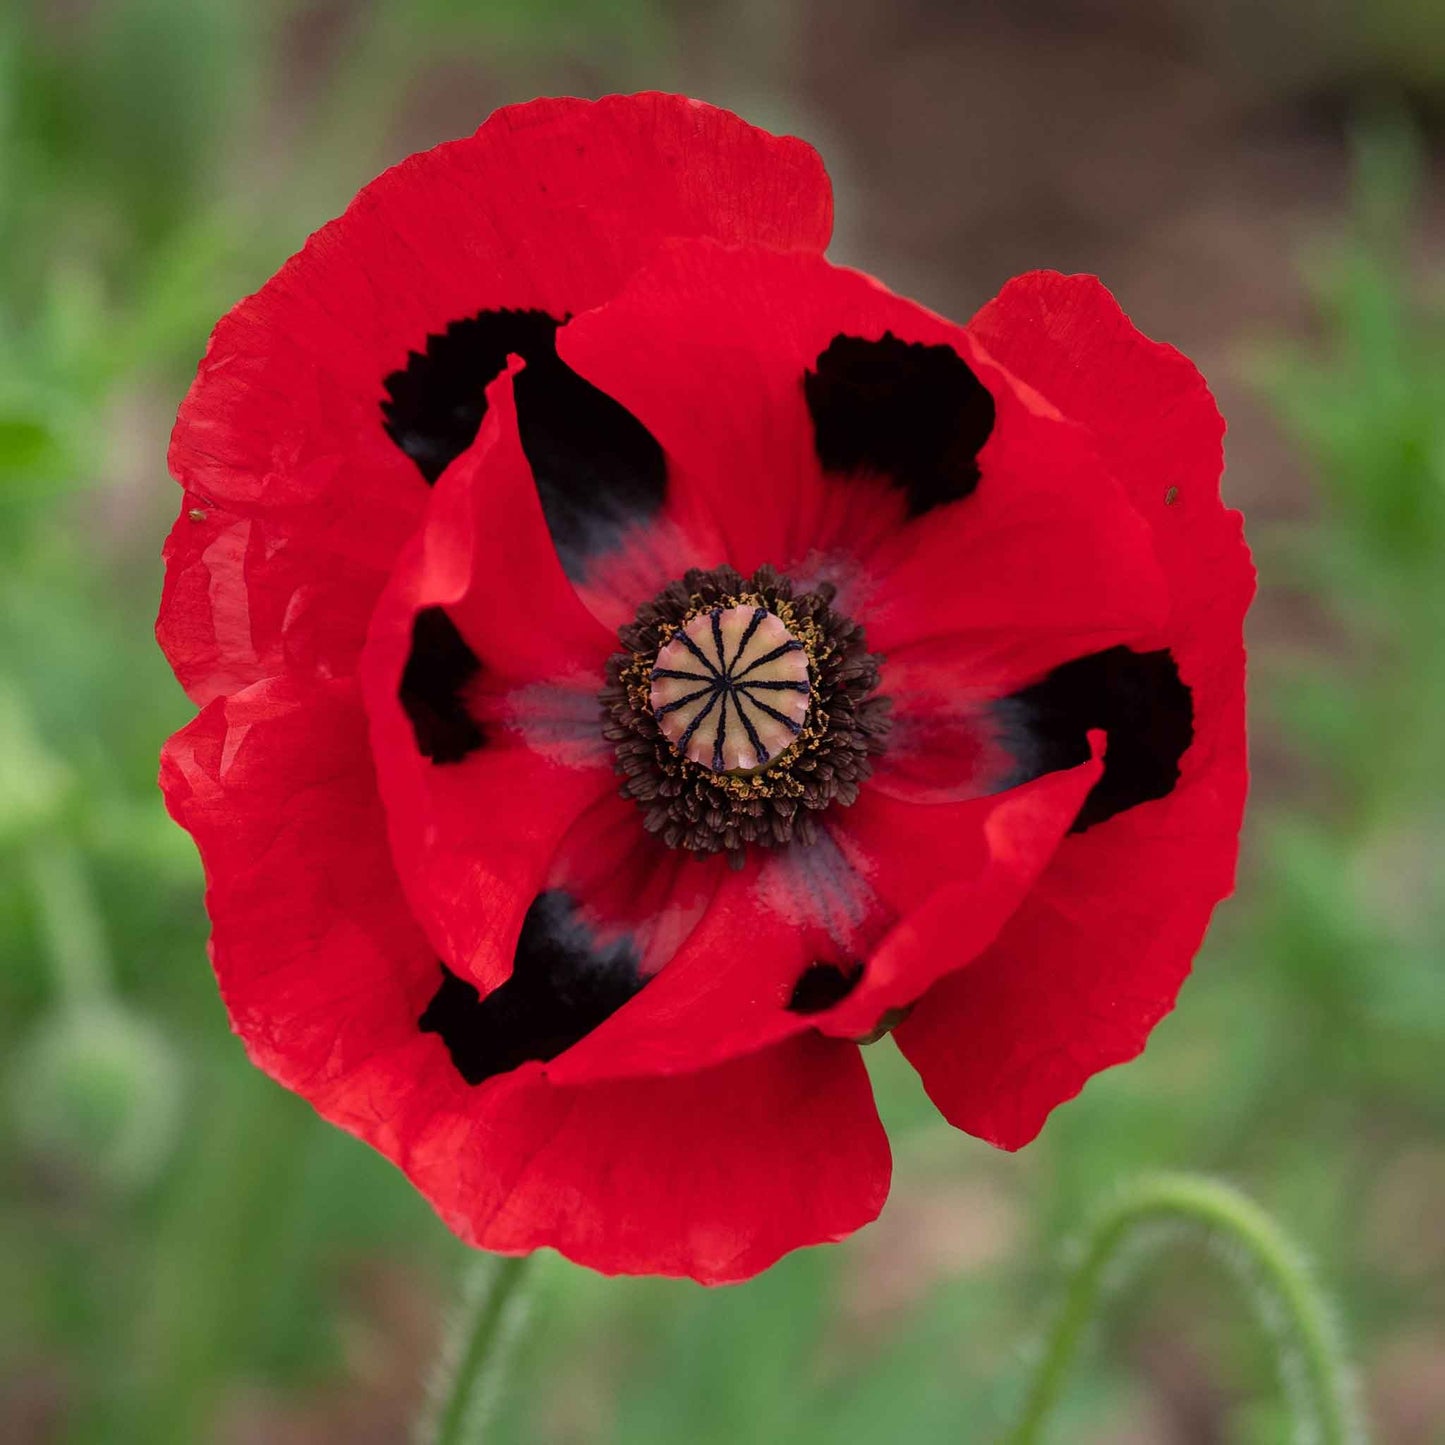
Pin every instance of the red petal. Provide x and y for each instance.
(709, 347)
(474, 838)
(549, 205)
(713, 1175)
(1077, 979)
(1150, 413)
(647, 557)
(945, 744)
(321, 966)
(952, 875)
(325, 976)
(1047, 561)
(1096, 955)
(246, 598)
(626, 881)
(1044, 562)
(724, 992)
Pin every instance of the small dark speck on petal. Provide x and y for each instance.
(1171, 496)
(196, 515)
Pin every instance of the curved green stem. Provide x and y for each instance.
(476, 1352)
(1318, 1382)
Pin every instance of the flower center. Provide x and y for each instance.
(730, 691)
(740, 709)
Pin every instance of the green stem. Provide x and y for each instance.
(1318, 1382)
(476, 1352)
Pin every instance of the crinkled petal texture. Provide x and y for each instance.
(523, 384)
(325, 973)
(1095, 956)
(300, 487)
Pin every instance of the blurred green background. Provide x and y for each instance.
(188, 1255)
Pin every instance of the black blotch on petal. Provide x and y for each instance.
(438, 669)
(1137, 698)
(821, 985)
(598, 469)
(563, 985)
(436, 402)
(914, 413)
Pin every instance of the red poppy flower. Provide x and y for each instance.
(640, 661)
